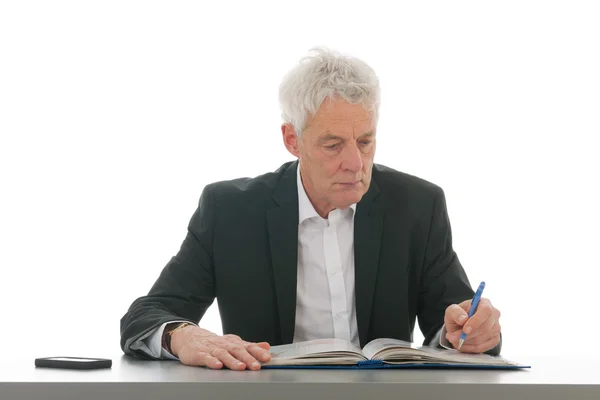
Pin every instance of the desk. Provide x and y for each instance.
(549, 378)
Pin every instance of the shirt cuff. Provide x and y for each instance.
(445, 343)
(151, 343)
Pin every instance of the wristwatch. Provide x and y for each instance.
(168, 333)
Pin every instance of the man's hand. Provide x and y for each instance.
(199, 347)
(482, 329)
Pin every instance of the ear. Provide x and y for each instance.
(290, 139)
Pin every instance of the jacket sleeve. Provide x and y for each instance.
(443, 281)
(185, 288)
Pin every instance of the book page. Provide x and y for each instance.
(376, 346)
(393, 351)
(319, 351)
(452, 357)
(314, 347)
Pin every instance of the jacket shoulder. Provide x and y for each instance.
(393, 182)
(248, 189)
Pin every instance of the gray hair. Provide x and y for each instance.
(325, 74)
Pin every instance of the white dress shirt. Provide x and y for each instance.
(325, 304)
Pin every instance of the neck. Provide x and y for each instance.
(322, 208)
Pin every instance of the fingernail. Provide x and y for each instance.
(255, 365)
(239, 364)
(468, 330)
(462, 318)
(265, 357)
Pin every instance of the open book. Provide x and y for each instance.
(378, 353)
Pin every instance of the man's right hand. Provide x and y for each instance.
(199, 347)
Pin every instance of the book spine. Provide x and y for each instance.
(368, 363)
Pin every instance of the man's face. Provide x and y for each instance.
(336, 153)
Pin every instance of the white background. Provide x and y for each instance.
(115, 114)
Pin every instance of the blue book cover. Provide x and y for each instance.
(381, 365)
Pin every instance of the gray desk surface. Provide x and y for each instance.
(549, 378)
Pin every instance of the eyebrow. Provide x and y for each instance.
(330, 136)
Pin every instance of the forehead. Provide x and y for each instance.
(339, 116)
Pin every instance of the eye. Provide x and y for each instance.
(365, 142)
(332, 146)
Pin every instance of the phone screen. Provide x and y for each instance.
(73, 359)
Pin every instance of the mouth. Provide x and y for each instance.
(349, 184)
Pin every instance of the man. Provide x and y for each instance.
(331, 245)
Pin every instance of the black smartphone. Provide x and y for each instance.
(73, 362)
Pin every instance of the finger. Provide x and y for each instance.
(481, 339)
(465, 305)
(482, 347)
(227, 359)
(239, 351)
(475, 337)
(210, 361)
(455, 315)
(484, 330)
(258, 352)
(483, 313)
(264, 345)
(200, 358)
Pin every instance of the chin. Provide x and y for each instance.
(348, 199)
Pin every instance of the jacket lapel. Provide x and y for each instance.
(368, 229)
(282, 224)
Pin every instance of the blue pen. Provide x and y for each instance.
(472, 310)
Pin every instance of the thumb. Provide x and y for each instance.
(455, 315)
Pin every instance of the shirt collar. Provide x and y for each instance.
(305, 208)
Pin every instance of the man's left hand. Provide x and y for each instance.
(482, 329)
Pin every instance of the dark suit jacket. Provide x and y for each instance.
(242, 248)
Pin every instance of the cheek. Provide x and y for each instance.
(367, 162)
(329, 169)
(366, 170)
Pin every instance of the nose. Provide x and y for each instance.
(351, 158)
